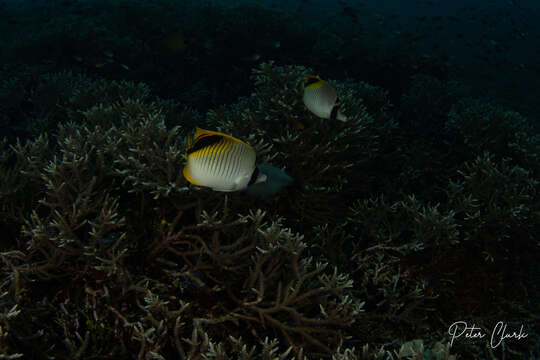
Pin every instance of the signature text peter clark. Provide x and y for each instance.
(499, 333)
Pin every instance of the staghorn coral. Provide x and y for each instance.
(484, 126)
(496, 200)
(389, 241)
(21, 166)
(411, 256)
(35, 103)
(426, 102)
(111, 254)
(75, 186)
(283, 290)
(277, 288)
(390, 225)
(109, 215)
(9, 314)
(153, 157)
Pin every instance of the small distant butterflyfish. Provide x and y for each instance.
(220, 162)
(321, 99)
(276, 180)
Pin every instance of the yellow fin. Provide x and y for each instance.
(199, 133)
(312, 77)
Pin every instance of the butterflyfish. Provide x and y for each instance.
(321, 99)
(220, 162)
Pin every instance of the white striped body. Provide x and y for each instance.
(220, 162)
(321, 99)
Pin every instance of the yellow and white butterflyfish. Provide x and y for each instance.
(321, 99)
(220, 162)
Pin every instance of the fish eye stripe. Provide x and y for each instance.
(312, 80)
(254, 176)
(334, 112)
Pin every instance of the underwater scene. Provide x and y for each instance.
(274, 180)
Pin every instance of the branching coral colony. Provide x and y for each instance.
(110, 253)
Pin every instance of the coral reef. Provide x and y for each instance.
(384, 240)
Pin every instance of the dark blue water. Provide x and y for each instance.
(430, 205)
(491, 45)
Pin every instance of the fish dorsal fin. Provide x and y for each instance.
(206, 138)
